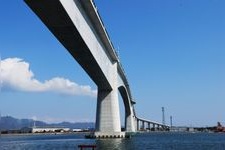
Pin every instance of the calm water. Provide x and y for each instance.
(150, 141)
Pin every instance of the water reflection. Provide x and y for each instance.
(114, 144)
(109, 143)
(153, 141)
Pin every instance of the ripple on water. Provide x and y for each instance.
(151, 141)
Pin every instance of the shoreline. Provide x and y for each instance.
(33, 134)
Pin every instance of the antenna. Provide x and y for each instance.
(0, 73)
(34, 122)
(163, 116)
(171, 121)
(1, 80)
(0, 94)
(0, 124)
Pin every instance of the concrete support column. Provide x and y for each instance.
(158, 127)
(107, 116)
(153, 127)
(143, 125)
(130, 122)
(137, 124)
(149, 127)
(108, 113)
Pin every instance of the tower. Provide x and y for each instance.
(171, 121)
(163, 116)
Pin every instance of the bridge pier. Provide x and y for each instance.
(153, 127)
(143, 125)
(129, 122)
(149, 127)
(158, 127)
(138, 124)
(107, 115)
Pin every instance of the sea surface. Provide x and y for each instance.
(140, 141)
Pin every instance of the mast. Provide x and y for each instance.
(171, 122)
(163, 116)
(0, 125)
(0, 94)
(0, 73)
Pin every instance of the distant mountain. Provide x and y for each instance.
(10, 123)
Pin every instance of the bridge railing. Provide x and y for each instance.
(113, 53)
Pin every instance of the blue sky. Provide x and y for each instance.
(172, 51)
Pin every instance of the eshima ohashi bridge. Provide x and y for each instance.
(78, 26)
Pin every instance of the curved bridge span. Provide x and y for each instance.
(77, 25)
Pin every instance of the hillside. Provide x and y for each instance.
(10, 123)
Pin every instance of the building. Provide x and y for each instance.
(49, 129)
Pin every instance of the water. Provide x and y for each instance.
(148, 141)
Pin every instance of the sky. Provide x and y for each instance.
(173, 53)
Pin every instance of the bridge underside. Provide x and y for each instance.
(77, 32)
(54, 16)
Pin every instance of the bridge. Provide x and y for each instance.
(148, 125)
(78, 27)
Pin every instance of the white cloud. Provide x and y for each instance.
(16, 75)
